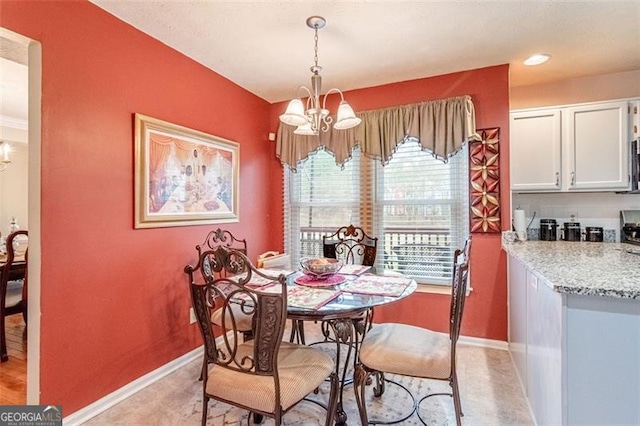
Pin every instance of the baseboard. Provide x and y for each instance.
(485, 343)
(126, 391)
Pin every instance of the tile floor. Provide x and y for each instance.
(491, 395)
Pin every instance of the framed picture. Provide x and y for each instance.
(182, 176)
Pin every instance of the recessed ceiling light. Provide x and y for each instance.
(537, 59)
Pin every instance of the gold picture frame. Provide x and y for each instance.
(183, 176)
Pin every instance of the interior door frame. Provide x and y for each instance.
(34, 49)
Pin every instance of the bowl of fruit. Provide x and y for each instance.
(320, 267)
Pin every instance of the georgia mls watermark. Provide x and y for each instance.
(30, 415)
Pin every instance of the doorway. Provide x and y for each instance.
(20, 128)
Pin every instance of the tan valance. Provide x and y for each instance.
(442, 126)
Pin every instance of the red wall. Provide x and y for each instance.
(486, 308)
(114, 299)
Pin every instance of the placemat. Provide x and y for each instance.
(354, 269)
(378, 285)
(258, 281)
(310, 298)
(304, 297)
(311, 281)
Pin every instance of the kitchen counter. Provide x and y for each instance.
(584, 268)
(574, 316)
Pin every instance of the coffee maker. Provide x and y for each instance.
(630, 226)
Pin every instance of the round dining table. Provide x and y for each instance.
(346, 317)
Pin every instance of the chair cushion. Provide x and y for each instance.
(14, 293)
(407, 350)
(301, 370)
(243, 321)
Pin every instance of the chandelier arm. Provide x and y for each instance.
(306, 89)
(309, 98)
(334, 90)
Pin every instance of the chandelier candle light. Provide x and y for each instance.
(316, 118)
(4, 161)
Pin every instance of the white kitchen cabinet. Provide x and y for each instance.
(597, 145)
(518, 317)
(544, 351)
(571, 148)
(535, 339)
(535, 150)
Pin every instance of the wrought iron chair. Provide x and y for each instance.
(13, 287)
(264, 375)
(351, 245)
(406, 350)
(225, 239)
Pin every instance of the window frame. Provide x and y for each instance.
(371, 217)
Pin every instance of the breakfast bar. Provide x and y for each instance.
(574, 329)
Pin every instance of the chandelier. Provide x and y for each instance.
(315, 117)
(5, 161)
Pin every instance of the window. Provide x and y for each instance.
(416, 205)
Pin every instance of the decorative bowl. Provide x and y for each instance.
(320, 267)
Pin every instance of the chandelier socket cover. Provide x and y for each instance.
(5, 160)
(315, 117)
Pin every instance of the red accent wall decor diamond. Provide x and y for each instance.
(484, 178)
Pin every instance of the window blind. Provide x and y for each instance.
(416, 205)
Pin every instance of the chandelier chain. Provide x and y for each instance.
(315, 39)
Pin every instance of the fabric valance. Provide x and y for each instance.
(442, 126)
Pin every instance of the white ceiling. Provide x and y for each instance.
(266, 47)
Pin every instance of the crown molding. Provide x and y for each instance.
(14, 123)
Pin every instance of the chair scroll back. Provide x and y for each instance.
(231, 293)
(14, 269)
(16, 246)
(10, 271)
(351, 245)
(215, 239)
(224, 238)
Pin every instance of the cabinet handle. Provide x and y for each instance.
(557, 178)
(573, 178)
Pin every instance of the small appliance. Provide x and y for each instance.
(594, 234)
(630, 226)
(548, 230)
(571, 231)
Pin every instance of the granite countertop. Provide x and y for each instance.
(595, 269)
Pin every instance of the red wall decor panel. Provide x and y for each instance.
(484, 176)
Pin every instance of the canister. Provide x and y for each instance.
(594, 233)
(571, 231)
(548, 230)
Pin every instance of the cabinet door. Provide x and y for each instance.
(518, 318)
(597, 143)
(544, 351)
(535, 146)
